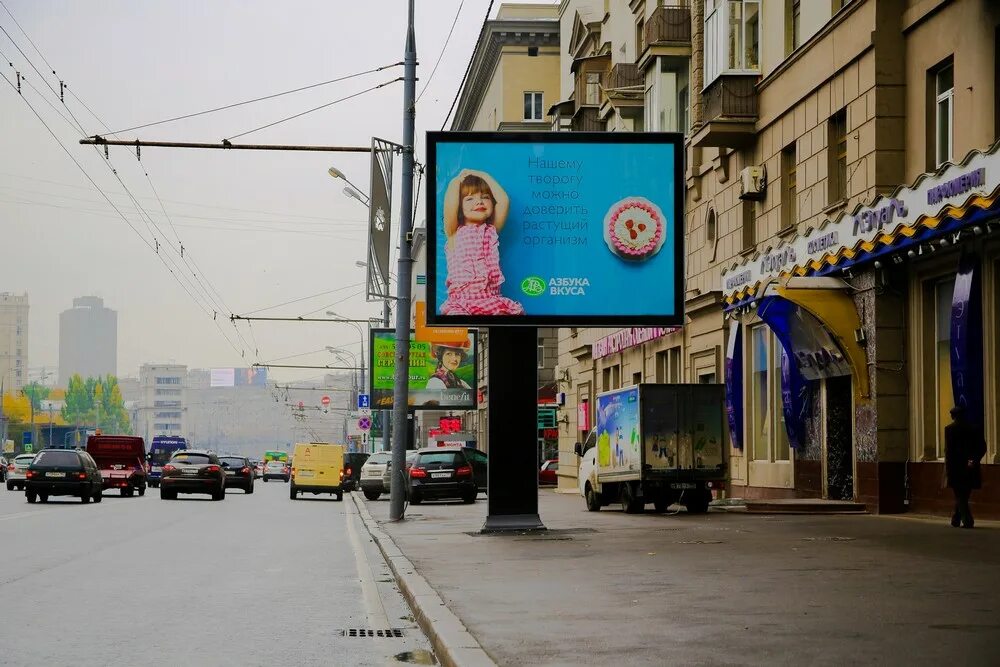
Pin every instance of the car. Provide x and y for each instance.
(547, 473)
(353, 464)
(63, 472)
(387, 475)
(257, 468)
(3, 468)
(371, 475)
(277, 470)
(319, 468)
(439, 473)
(16, 469)
(193, 471)
(239, 472)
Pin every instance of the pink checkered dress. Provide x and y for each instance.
(474, 275)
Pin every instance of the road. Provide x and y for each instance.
(251, 580)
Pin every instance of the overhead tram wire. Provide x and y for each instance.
(441, 55)
(468, 68)
(308, 111)
(305, 298)
(257, 99)
(87, 175)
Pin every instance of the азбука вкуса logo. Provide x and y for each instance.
(533, 286)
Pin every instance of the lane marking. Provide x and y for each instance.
(374, 609)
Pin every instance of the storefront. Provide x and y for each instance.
(848, 345)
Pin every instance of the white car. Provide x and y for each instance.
(16, 470)
(371, 474)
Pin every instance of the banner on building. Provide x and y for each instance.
(551, 229)
(442, 373)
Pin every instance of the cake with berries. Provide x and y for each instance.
(634, 229)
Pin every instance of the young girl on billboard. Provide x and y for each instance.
(475, 210)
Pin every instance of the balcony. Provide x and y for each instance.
(587, 119)
(624, 91)
(667, 33)
(730, 112)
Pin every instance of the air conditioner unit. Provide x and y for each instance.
(753, 183)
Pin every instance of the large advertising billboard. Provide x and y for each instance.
(551, 229)
(442, 374)
(238, 377)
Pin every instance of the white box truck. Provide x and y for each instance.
(655, 443)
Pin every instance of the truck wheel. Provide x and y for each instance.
(661, 504)
(631, 504)
(265, 480)
(593, 499)
(292, 492)
(372, 495)
(340, 496)
(698, 502)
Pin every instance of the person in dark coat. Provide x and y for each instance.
(964, 447)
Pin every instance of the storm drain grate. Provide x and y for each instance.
(366, 632)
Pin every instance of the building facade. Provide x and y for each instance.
(513, 81)
(88, 340)
(162, 404)
(13, 340)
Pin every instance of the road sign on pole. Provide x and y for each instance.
(325, 401)
(364, 402)
(365, 423)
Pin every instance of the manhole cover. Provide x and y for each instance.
(367, 632)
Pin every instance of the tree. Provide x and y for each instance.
(79, 403)
(96, 402)
(16, 408)
(37, 393)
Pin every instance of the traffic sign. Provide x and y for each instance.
(364, 402)
(325, 401)
(365, 424)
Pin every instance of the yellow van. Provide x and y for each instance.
(318, 467)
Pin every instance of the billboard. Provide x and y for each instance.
(442, 374)
(380, 219)
(618, 431)
(552, 229)
(238, 377)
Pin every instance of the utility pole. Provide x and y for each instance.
(386, 441)
(400, 394)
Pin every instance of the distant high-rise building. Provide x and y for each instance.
(13, 340)
(161, 406)
(88, 340)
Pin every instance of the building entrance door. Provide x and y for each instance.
(839, 440)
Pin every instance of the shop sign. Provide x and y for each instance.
(555, 229)
(628, 338)
(929, 197)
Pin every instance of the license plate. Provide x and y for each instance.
(440, 475)
(683, 485)
(155, 469)
(305, 473)
(230, 472)
(55, 474)
(189, 472)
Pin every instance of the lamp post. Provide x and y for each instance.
(343, 355)
(361, 338)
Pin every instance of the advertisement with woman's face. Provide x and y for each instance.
(442, 373)
(554, 229)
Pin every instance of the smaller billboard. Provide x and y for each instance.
(238, 377)
(442, 373)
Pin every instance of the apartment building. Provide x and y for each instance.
(13, 340)
(513, 81)
(161, 406)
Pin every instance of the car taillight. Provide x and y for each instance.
(169, 468)
(347, 473)
(212, 468)
(10, 467)
(29, 474)
(81, 475)
(463, 471)
(418, 473)
(341, 475)
(245, 470)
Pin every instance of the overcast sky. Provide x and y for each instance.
(264, 227)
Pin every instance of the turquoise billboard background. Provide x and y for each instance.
(553, 254)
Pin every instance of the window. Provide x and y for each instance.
(836, 148)
(166, 404)
(706, 378)
(839, 4)
(789, 210)
(173, 380)
(532, 51)
(168, 415)
(533, 106)
(793, 14)
(749, 224)
(592, 90)
(640, 44)
(768, 435)
(636, 378)
(668, 365)
(943, 292)
(541, 353)
(611, 378)
(944, 113)
(732, 37)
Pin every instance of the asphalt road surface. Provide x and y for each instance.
(252, 580)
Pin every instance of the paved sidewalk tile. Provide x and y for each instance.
(723, 588)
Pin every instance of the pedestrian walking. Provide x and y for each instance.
(964, 447)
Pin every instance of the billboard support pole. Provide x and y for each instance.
(512, 502)
(386, 441)
(404, 264)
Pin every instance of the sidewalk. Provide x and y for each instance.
(718, 589)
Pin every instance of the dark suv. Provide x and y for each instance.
(239, 472)
(441, 472)
(193, 471)
(63, 472)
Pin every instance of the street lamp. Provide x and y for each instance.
(361, 338)
(353, 191)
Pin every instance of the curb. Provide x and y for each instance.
(453, 644)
